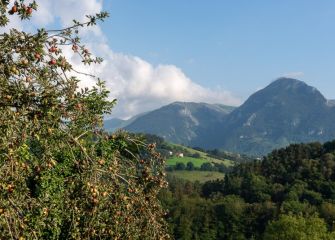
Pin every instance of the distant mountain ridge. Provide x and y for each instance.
(286, 111)
(181, 122)
(114, 124)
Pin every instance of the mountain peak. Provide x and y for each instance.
(286, 83)
(288, 80)
(290, 88)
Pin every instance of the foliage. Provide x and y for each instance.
(175, 160)
(61, 176)
(194, 176)
(289, 227)
(287, 195)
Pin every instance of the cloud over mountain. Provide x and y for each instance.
(138, 85)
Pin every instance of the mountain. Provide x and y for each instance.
(114, 124)
(286, 111)
(182, 122)
(331, 102)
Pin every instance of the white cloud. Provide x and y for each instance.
(138, 85)
(65, 11)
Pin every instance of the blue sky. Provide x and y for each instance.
(214, 51)
(239, 46)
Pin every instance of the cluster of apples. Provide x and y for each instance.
(57, 61)
(24, 9)
(53, 61)
(95, 193)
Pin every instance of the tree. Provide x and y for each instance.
(190, 166)
(206, 166)
(290, 227)
(62, 176)
(230, 212)
(180, 166)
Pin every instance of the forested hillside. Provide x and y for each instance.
(288, 195)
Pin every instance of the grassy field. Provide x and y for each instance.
(201, 176)
(196, 161)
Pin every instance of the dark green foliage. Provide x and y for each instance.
(190, 166)
(180, 166)
(207, 167)
(196, 155)
(287, 195)
(289, 227)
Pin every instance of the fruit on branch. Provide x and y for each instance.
(52, 62)
(14, 9)
(55, 144)
(14, 70)
(37, 56)
(10, 188)
(78, 106)
(75, 48)
(29, 11)
(24, 61)
(53, 49)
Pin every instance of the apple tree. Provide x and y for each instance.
(61, 175)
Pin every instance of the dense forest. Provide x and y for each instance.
(288, 195)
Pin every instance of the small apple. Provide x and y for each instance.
(75, 48)
(14, 9)
(24, 61)
(29, 11)
(37, 56)
(52, 62)
(53, 49)
(10, 188)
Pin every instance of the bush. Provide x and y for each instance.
(196, 155)
(180, 166)
(190, 166)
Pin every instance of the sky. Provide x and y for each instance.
(216, 51)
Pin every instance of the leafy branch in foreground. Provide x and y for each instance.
(61, 176)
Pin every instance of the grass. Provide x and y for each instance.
(196, 161)
(201, 176)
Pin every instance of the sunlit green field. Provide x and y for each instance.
(203, 158)
(196, 161)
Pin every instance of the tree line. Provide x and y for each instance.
(290, 194)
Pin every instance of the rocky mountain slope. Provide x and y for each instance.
(286, 111)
